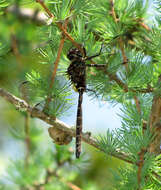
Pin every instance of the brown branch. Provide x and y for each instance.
(155, 122)
(120, 41)
(34, 112)
(115, 78)
(140, 166)
(41, 18)
(58, 55)
(48, 100)
(125, 59)
(69, 37)
(48, 178)
(144, 90)
(113, 11)
(61, 45)
(72, 186)
(137, 102)
(53, 173)
(60, 26)
(144, 126)
(16, 52)
(144, 26)
(158, 177)
(127, 89)
(45, 8)
(69, 184)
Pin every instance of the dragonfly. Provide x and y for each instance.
(77, 75)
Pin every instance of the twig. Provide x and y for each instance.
(15, 49)
(137, 102)
(144, 126)
(121, 44)
(113, 11)
(72, 186)
(140, 166)
(34, 112)
(144, 26)
(125, 59)
(58, 55)
(45, 8)
(158, 177)
(155, 121)
(54, 173)
(115, 78)
(49, 174)
(41, 18)
(48, 100)
(60, 26)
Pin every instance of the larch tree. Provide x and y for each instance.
(105, 48)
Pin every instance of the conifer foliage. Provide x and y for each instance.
(42, 32)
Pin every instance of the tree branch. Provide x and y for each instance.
(61, 45)
(115, 78)
(35, 112)
(140, 166)
(60, 26)
(120, 40)
(155, 122)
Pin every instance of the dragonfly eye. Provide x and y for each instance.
(74, 54)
